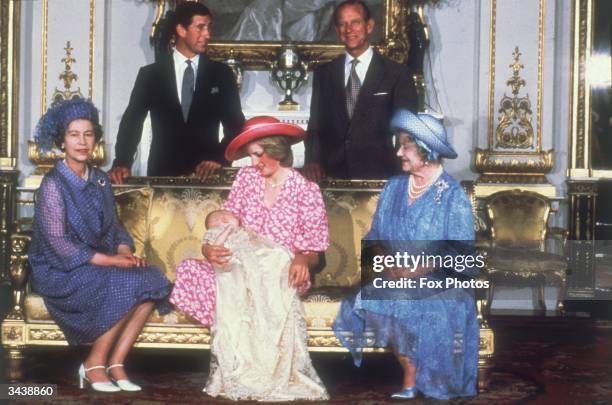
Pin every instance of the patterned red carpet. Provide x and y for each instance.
(537, 361)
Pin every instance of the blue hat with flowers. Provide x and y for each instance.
(52, 125)
(427, 131)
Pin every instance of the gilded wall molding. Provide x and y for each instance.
(45, 52)
(492, 72)
(514, 130)
(492, 49)
(44, 161)
(540, 72)
(514, 149)
(518, 163)
(45, 36)
(68, 77)
(92, 25)
(10, 14)
(580, 97)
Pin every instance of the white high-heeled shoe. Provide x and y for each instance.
(125, 385)
(96, 386)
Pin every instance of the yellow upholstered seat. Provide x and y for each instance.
(516, 252)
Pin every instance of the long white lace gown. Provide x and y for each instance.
(259, 345)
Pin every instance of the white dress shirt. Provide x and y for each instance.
(180, 64)
(361, 68)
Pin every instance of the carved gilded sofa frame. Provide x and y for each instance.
(20, 332)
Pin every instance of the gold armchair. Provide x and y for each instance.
(516, 251)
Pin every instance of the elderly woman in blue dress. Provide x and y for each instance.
(81, 256)
(434, 334)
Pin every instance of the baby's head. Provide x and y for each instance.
(221, 218)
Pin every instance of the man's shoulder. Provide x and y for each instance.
(154, 68)
(389, 63)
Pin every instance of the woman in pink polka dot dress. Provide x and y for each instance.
(277, 202)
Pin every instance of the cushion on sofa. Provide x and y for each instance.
(133, 211)
(176, 225)
(349, 215)
(36, 312)
(320, 306)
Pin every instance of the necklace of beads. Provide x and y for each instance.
(415, 191)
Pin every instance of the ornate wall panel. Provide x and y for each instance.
(66, 21)
(515, 137)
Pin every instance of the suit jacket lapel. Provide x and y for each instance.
(373, 77)
(169, 80)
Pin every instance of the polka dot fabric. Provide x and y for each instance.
(74, 219)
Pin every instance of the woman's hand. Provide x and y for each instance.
(126, 250)
(118, 260)
(298, 271)
(216, 255)
(126, 261)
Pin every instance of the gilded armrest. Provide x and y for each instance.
(19, 272)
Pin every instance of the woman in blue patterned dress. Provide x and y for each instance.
(434, 333)
(94, 287)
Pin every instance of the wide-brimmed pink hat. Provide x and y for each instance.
(260, 127)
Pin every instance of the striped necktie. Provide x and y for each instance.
(352, 88)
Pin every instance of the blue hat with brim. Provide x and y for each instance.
(425, 129)
(53, 123)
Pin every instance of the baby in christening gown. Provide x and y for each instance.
(255, 318)
(248, 248)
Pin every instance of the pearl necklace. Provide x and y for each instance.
(415, 191)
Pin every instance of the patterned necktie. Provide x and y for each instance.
(187, 89)
(352, 88)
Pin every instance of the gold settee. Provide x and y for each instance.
(165, 216)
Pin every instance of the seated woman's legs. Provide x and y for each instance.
(100, 349)
(409, 379)
(124, 333)
(132, 328)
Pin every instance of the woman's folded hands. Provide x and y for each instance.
(123, 258)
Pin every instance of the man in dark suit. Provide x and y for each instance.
(188, 96)
(353, 98)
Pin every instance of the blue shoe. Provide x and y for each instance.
(406, 393)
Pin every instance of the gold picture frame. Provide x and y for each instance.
(259, 55)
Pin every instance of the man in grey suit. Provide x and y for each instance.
(353, 98)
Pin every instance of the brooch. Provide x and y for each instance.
(101, 182)
(441, 185)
